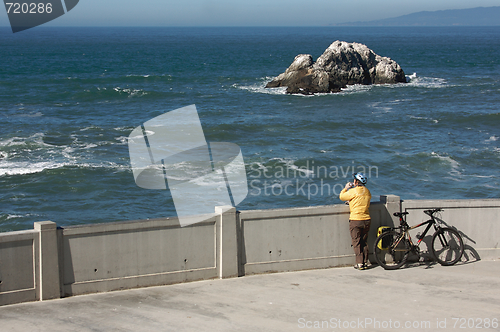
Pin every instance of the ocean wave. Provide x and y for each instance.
(11, 221)
(454, 165)
(427, 165)
(6, 217)
(41, 143)
(473, 120)
(127, 129)
(290, 165)
(132, 75)
(131, 92)
(412, 81)
(149, 76)
(110, 79)
(423, 118)
(110, 93)
(426, 82)
(34, 114)
(92, 128)
(23, 168)
(354, 89)
(260, 87)
(8, 168)
(122, 139)
(280, 167)
(379, 106)
(31, 142)
(39, 152)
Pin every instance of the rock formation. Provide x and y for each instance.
(340, 65)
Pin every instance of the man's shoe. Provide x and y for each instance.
(359, 267)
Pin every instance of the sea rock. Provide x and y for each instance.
(340, 65)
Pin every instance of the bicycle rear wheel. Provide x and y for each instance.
(447, 246)
(391, 250)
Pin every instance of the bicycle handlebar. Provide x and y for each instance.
(431, 212)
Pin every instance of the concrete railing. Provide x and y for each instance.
(49, 262)
(300, 238)
(19, 267)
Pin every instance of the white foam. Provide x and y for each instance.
(13, 216)
(423, 118)
(290, 164)
(16, 216)
(24, 167)
(138, 75)
(20, 141)
(89, 146)
(29, 155)
(426, 82)
(148, 75)
(131, 92)
(484, 176)
(122, 139)
(411, 77)
(123, 129)
(91, 128)
(455, 165)
(383, 108)
(30, 115)
(356, 88)
(412, 81)
(261, 88)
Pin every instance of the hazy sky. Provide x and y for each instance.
(244, 13)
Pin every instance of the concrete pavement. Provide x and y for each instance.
(420, 297)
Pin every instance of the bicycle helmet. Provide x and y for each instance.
(360, 177)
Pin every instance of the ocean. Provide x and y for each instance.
(70, 97)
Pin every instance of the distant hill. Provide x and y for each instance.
(480, 16)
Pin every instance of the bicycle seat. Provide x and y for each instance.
(400, 214)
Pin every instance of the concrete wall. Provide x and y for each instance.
(19, 267)
(300, 238)
(106, 257)
(49, 262)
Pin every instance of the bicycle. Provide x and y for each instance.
(393, 246)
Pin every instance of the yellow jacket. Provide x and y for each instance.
(359, 202)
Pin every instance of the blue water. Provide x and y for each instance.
(70, 97)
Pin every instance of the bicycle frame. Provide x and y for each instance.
(429, 223)
(406, 228)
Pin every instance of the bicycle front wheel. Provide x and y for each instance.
(391, 250)
(447, 246)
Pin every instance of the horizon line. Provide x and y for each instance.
(336, 25)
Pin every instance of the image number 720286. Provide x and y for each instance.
(26, 15)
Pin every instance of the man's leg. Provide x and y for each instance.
(356, 238)
(364, 240)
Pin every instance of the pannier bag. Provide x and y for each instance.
(386, 241)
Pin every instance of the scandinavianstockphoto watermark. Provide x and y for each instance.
(308, 180)
(338, 324)
(171, 152)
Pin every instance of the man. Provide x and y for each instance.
(358, 197)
